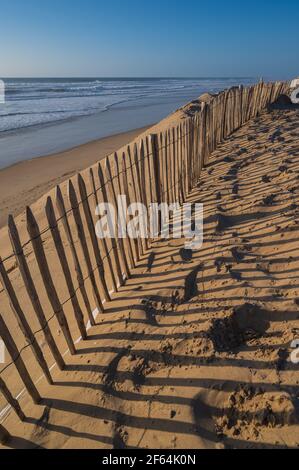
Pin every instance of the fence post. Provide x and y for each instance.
(11, 400)
(23, 323)
(41, 259)
(4, 435)
(18, 361)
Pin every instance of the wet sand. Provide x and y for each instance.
(25, 182)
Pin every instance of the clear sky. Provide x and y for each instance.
(139, 38)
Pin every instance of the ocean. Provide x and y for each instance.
(43, 116)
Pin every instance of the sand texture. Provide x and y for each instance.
(24, 183)
(193, 352)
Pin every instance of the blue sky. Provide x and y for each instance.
(149, 38)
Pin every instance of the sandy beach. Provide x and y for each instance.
(149, 228)
(25, 182)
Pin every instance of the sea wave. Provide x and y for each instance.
(39, 101)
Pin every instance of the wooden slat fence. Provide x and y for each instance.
(69, 257)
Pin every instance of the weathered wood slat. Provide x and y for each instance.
(134, 189)
(134, 194)
(218, 119)
(183, 158)
(34, 233)
(155, 166)
(64, 219)
(181, 169)
(190, 153)
(52, 221)
(140, 168)
(145, 182)
(92, 234)
(148, 184)
(161, 163)
(83, 242)
(163, 166)
(18, 361)
(127, 242)
(187, 142)
(32, 292)
(241, 93)
(4, 435)
(126, 192)
(113, 194)
(103, 240)
(230, 113)
(23, 323)
(250, 103)
(183, 163)
(224, 114)
(170, 164)
(167, 167)
(11, 400)
(174, 165)
(137, 183)
(150, 169)
(196, 150)
(143, 178)
(245, 104)
(104, 191)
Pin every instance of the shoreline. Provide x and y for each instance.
(24, 182)
(34, 138)
(28, 181)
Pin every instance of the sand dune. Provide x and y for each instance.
(174, 365)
